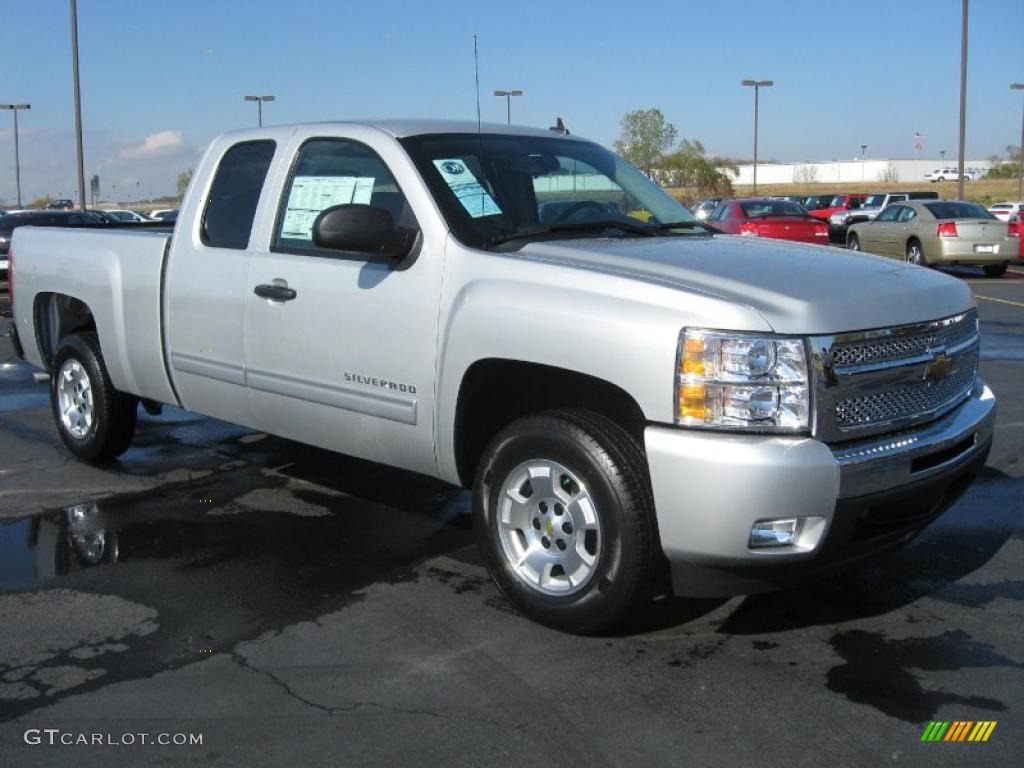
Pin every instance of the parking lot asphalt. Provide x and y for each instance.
(297, 607)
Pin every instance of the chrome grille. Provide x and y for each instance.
(950, 333)
(874, 382)
(899, 403)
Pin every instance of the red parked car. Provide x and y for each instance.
(762, 217)
(839, 203)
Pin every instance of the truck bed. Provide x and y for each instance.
(118, 274)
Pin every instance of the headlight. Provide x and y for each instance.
(742, 381)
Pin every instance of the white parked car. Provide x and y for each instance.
(1006, 211)
(942, 174)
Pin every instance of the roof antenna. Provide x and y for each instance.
(559, 127)
(476, 69)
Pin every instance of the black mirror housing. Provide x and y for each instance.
(362, 229)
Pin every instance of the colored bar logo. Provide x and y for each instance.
(958, 730)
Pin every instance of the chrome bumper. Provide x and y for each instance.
(710, 489)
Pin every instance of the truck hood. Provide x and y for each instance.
(798, 289)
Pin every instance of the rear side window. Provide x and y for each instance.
(235, 193)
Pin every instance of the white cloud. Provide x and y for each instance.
(154, 145)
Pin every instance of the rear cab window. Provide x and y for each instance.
(234, 194)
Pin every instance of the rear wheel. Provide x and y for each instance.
(915, 254)
(95, 421)
(565, 520)
(853, 242)
(995, 270)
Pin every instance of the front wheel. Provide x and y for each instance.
(994, 270)
(853, 243)
(565, 520)
(95, 421)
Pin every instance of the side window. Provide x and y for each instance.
(890, 213)
(235, 193)
(906, 214)
(329, 172)
(720, 213)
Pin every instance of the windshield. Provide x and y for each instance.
(493, 187)
(874, 201)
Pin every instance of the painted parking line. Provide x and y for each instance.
(1001, 301)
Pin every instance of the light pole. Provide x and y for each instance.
(508, 100)
(942, 154)
(757, 85)
(963, 102)
(78, 104)
(17, 161)
(1020, 174)
(863, 149)
(259, 105)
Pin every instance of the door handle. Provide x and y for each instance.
(275, 292)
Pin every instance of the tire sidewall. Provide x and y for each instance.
(88, 447)
(610, 586)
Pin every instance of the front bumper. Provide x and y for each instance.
(857, 499)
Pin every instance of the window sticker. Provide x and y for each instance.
(471, 193)
(312, 194)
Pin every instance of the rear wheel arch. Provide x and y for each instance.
(56, 315)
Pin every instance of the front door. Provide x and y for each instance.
(340, 347)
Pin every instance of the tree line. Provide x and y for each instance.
(648, 141)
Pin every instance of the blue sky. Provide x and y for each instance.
(846, 74)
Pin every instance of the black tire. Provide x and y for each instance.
(613, 467)
(114, 413)
(853, 242)
(994, 270)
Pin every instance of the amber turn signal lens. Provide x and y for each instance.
(693, 355)
(692, 402)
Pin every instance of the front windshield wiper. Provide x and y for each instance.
(582, 226)
(649, 230)
(688, 225)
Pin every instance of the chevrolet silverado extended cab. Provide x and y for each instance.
(635, 400)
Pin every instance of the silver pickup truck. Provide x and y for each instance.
(637, 402)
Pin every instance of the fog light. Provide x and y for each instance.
(774, 533)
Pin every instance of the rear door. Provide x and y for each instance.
(206, 283)
(347, 362)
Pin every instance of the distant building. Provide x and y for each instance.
(852, 172)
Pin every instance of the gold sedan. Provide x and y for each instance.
(937, 232)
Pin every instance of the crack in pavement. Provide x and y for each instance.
(331, 710)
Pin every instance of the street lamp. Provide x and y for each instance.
(508, 100)
(757, 85)
(1020, 174)
(17, 162)
(259, 105)
(78, 104)
(863, 149)
(963, 102)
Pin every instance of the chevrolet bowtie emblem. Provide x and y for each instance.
(937, 369)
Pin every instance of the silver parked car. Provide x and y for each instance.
(934, 232)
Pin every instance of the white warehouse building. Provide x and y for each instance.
(851, 171)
